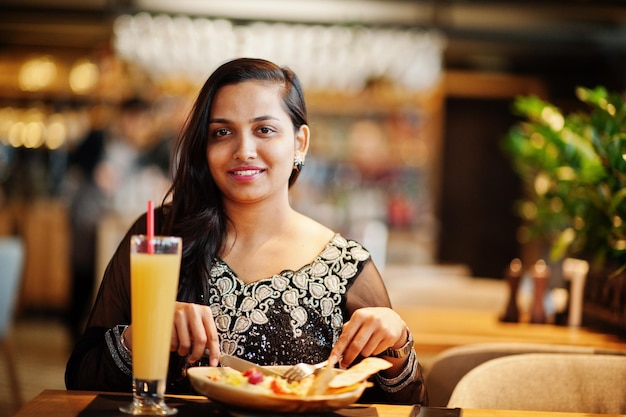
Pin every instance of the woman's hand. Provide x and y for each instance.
(370, 331)
(194, 331)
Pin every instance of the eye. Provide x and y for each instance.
(219, 133)
(266, 130)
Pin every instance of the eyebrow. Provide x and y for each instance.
(256, 119)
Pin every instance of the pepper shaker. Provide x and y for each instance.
(513, 276)
(540, 274)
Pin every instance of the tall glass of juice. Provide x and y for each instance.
(154, 271)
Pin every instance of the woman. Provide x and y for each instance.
(258, 279)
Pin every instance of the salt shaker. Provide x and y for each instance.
(575, 271)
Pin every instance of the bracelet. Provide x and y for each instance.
(119, 353)
(123, 342)
(406, 377)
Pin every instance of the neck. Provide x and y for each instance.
(258, 222)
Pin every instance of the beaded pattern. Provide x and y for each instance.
(290, 317)
(119, 352)
(406, 377)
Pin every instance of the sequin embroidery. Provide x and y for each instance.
(290, 317)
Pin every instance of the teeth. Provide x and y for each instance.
(247, 172)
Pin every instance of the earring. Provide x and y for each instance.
(298, 161)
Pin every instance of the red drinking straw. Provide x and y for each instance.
(150, 226)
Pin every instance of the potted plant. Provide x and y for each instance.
(573, 167)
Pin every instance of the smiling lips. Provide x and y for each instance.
(246, 172)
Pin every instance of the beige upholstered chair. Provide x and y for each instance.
(584, 383)
(451, 365)
(11, 262)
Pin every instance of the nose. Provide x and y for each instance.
(245, 148)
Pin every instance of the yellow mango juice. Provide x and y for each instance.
(154, 283)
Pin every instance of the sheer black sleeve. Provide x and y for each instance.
(98, 360)
(368, 290)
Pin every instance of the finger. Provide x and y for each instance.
(181, 327)
(348, 344)
(365, 334)
(213, 341)
(364, 342)
(373, 344)
(174, 340)
(199, 337)
(204, 334)
(337, 352)
(196, 331)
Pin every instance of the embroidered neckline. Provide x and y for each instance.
(218, 261)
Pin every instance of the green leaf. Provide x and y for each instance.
(574, 171)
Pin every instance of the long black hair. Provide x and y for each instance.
(196, 212)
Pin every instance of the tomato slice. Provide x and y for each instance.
(254, 376)
(277, 388)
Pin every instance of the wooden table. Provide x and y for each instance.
(436, 329)
(58, 403)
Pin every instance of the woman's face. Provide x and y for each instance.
(251, 144)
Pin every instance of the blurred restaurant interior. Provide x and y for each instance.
(409, 103)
